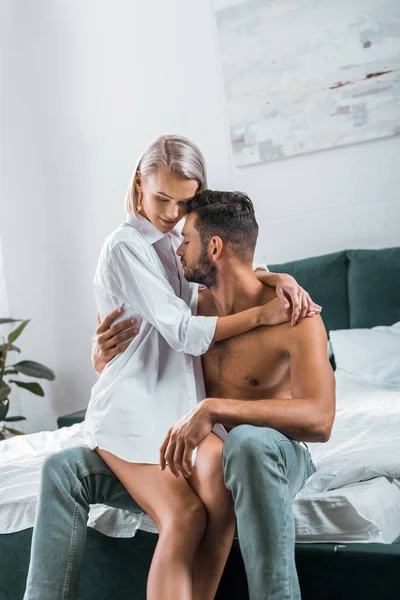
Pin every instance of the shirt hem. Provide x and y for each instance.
(134, 460)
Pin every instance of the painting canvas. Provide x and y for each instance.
(306, 75)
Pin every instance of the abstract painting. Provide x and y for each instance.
(306, 75)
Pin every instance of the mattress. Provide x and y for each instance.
(364, 512)
(368, 511)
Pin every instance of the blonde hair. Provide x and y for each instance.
(174, 154)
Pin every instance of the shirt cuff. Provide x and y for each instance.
(260, 266)
(199, 335)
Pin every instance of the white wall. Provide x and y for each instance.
(324, 202)
(4, 308)
(86, 86)
(6, 329)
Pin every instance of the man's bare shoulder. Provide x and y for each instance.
(268, 294)
(206, 306)
(306, 342)
(309, 331)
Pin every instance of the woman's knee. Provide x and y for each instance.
(189, 516)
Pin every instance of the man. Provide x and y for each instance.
(272, 386)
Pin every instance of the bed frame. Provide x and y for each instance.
(116, 569)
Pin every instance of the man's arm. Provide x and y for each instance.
(307, 416)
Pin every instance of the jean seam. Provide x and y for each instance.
(310, 470)
(96, 471)
(286, 562)
(71, 557)
(311, 466)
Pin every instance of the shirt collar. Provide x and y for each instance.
(150, 233)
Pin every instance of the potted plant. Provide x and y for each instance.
(8, 372)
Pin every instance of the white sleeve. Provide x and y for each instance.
(145, 289)
(260, 266)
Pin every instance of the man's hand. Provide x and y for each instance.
(108, 336)
(189, 432)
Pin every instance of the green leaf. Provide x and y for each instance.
(10, 372)
(34, 369)
(9, 419)
(17, 332)
(4, 321)
(13, 348)
(10, 348)
(4, 406)
(14, 431)
(5, 390)
(33, 387)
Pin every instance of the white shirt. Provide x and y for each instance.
(144, 391)
(158, 379)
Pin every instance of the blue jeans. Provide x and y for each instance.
(263, 469)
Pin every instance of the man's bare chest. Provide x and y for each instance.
(247, 366)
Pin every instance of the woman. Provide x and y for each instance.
(158, 379)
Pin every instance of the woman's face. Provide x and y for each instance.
(164, 198)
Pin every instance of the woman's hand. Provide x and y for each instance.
(290, 293)
(274, 313)
(108, 336)
(287, 289)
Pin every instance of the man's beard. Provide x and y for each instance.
(202, 271)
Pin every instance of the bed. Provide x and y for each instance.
(348, 514)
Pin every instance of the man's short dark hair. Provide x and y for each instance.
(229, 215)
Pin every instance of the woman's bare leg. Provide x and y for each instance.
(207, 481)
(181, 520)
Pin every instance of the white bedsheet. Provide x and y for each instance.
(365, 439)
(332, 506)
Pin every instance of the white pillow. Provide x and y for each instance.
(358, 349)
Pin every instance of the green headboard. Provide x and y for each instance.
(356, 288)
